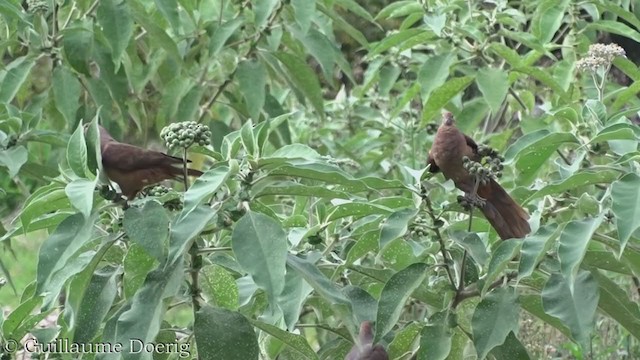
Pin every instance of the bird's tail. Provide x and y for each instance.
(504, 214)
(178, 173)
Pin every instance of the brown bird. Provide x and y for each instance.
(134, 168)
(364, 349)
(449, 147)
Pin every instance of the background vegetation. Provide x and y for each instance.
(315, 211)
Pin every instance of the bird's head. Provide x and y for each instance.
(447, 119)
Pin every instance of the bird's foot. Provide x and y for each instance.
(469, 200)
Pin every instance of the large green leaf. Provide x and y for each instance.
(305, 80)
(252, 76)
(435, 338)
(533, 249)
(80, 194)
(494, 318)
(77, 152)
(260, 246)
(533, 150)
(394, 295)
(500, 258)
(219, 287)
(96, 303)
(626, 207)
(140, 324)
(548, 18)
(573, 244)
(573, 302)
(442, 95)
(60, 246)
(148, 227)
(12, 76)
(205, 187)
(615, 302)
(117, 24)
(296, 342)
(493, 83)
(224, 334)
(66, 93)
(13, 158)
(396, 225)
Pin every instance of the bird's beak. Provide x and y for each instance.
(447, 119)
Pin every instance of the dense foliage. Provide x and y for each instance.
(316, 210)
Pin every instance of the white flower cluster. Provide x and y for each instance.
(600, 56)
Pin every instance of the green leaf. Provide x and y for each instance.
(204, 187)
(184, 228)
(96, 303)
(403, 341)
(575, 303)
(474, 245)
(222, 33)
(148, 227)
(396, 225)
(493, 84)
(396, 39)
(533, 150)
(511, 349)
(13, 158)
(615, 302)
(434, 72)
(617, 132)
(368, 242)
(435, 338)
(77, 152)
(615, 27)
(260, 246)
(626, 207)
(576, 181)
(12, 76)
(304, 79)
(80, 194)
(19, 315)
(66, 93)
(364, 305)
(156, 33)
(77, 41)
(219, 287)
(252, 76)
(500, 258)
(141, 322)
(262, 10)
(248, 138)
(224, 334)
(394, 295)
(493, 319)
(547, 19)
(169, 9)
(573, 244)
(320, 283)
(296, 342)
(117, 24)
(73, 267)
(60, 246)
(533, 249)
(304, 11)
(442, 95)
(137, 264)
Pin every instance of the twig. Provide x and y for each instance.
(473, 290)
(250, 51)
(443, 249)
(463, 264)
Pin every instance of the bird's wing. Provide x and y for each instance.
(433, 168)
(129, 157)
